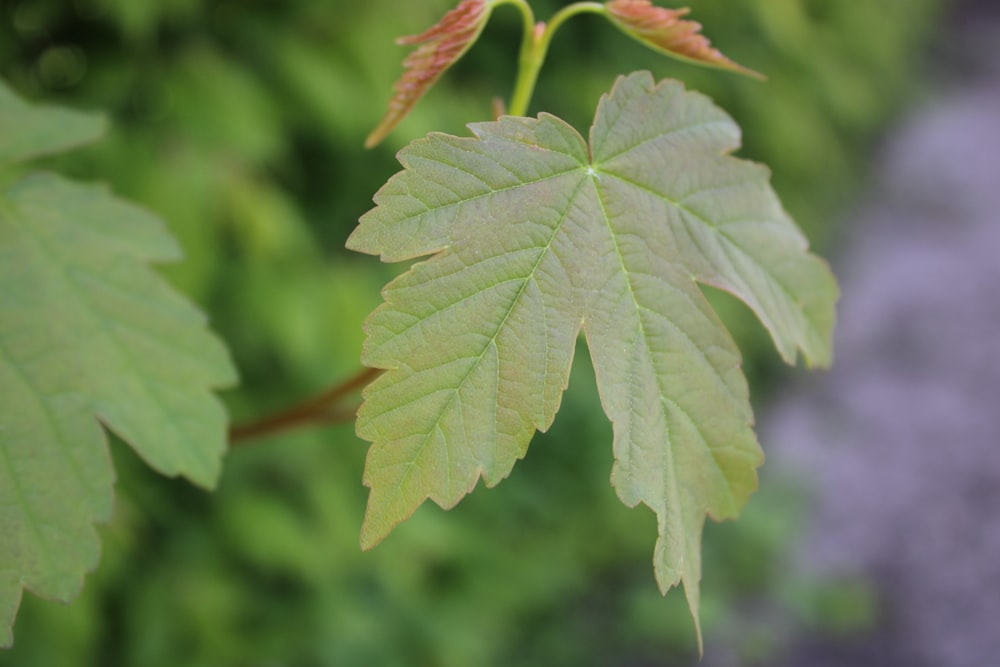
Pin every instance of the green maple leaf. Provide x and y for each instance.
(537, 235)
(87, 332)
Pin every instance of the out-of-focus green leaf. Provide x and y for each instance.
(27, 131)
(88, 333)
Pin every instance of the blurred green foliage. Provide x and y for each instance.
(241, 123)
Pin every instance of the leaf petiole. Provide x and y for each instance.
(322, 409)
(569, 11)
(535, 46)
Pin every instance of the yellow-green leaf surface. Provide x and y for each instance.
(89, 335)
(537, 234)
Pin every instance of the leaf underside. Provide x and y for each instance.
(537, 235)
(87, 332)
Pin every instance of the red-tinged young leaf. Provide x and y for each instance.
(440, 47)
(665, 31)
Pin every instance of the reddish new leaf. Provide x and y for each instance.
(665, 30)
(439, 48)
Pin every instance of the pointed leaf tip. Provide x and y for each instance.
(440, 47)
(664, 30)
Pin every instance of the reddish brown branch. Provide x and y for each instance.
(322, 409)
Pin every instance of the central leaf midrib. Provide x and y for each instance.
(664, 396)
(642, 331)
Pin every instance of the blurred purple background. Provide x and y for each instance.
(900, 441)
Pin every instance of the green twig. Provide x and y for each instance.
(569, 11)
(535, 46)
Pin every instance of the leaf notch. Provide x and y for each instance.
(440, 47)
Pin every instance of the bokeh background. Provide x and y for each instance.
(241, 124)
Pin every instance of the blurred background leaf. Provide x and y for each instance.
(242, 124)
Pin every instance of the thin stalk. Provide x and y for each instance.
(569, 11)
(322, 409)
(528, 65)
(532, 57)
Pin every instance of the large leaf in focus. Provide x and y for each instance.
(87, 332)
(536, 235)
